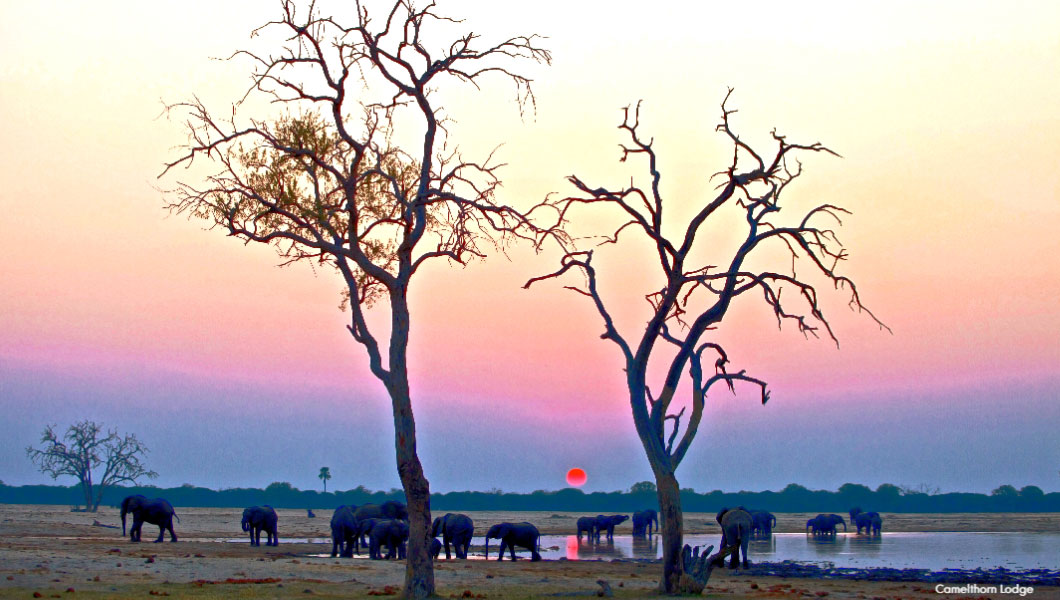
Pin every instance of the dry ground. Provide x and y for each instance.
(49, 550)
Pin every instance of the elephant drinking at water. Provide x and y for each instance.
(642, 522)
(343, 531)
(391, 533)
(387, 510)
(762, 522)
(735, 532)
(871, 522)
(608, 522)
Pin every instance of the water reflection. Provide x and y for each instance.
(827, 547)
(646, 546)
(869, 545)
(762, 545)
(896, 550)
(589, 550)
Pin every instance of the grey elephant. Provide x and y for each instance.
(762, 522)
(735, 533)
(825, 524)
(392, 533)
(871, 522)
(388, 510)
(524, 535)
(436, 548)
(343, 531)
(157, 511)
(587, 525)
(643, 520)
(261, 518)
(608, 522)
(456, 529)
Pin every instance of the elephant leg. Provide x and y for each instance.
(161, 533)
(135, 530)
(734, 561)
(445, 542)
(511, 549)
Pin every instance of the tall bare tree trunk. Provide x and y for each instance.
(671, 524)
(419, 569)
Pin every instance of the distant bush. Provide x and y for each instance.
(793, 498)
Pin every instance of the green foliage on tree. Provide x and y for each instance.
(1005, 491)
(642, 487)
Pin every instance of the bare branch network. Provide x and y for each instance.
(325, 183)
(695, 297)
(82, 450)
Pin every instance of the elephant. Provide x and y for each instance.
(588, 525)
(388, 510)
(642, 520)
(389, 532)
(608, 522)
(436, 548)
(258, 518)
(343, 531)
(825, 524)
(523, 534)
(157, 511)
(735, 532)
(871, 522)
(762, 522)
(456, 529)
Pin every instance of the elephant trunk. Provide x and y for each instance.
(487, 547)
(123, 521)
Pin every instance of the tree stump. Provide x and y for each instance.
(697, 568)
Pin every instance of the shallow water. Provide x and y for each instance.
(921, 550)
(934, 550)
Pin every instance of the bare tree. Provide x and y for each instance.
(325, 182)
(81, 451)
(695, 295)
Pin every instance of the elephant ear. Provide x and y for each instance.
(504, 529)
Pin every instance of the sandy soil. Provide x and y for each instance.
(49, 550)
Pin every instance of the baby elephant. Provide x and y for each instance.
(261, 518)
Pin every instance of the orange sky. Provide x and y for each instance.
(947, 117)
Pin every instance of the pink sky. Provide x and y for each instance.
(948, 123)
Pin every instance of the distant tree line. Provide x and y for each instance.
(793, 498)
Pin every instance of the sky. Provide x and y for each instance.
(235, 372)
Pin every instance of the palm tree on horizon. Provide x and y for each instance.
(325, 475)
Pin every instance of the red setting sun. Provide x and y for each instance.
(576, 477)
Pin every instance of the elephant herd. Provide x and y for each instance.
(386, 525)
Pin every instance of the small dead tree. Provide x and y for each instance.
(327, 183)
(82, 450)
(695, 295)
